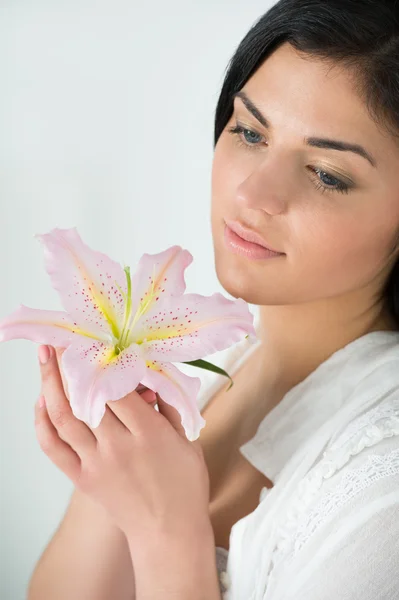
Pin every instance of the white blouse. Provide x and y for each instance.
(329, 527)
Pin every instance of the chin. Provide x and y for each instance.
(237, 280)
(245, 279)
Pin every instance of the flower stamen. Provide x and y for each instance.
(128, 306)
(141, 311)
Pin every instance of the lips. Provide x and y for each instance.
(249, 235)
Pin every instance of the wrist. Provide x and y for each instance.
(182, 565)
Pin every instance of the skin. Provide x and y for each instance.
(340, 248)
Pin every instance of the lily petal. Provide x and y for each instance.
(158, 276)
(96, 376)
(180, 391)
(192, 326)
(89, 282)
(42, 326)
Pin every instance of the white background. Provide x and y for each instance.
(106, 124)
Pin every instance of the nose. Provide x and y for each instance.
(265, 188)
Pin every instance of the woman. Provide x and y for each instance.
(306, 162)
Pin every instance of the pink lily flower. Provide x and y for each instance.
(120, 332)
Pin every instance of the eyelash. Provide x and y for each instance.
(340, 186)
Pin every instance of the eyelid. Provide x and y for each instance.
(253, 128)
(334, 173)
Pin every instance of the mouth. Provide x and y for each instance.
(249, 236)
(251, 250)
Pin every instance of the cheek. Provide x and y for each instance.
(338, 253)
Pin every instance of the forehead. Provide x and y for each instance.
(307, 86)
(308, 96)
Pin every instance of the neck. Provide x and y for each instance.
(297, 338)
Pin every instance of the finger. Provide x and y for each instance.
(137, 414)
(111, 427)
(59, 452)
(149, 396)
(172, 415)
(72, 430)
(59, 352)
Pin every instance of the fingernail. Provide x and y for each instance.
(41, 401)
(44, 354)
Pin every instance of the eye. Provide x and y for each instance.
(329, 183)
(246, 137)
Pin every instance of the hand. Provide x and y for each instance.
(137, 464)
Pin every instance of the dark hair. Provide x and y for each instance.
(362, 35)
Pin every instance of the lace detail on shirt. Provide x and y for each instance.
(221, 563)
(377, 467)
(301, 521)
(381, 414)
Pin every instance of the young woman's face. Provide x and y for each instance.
(333, 213)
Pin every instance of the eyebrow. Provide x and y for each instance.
(316, 142)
